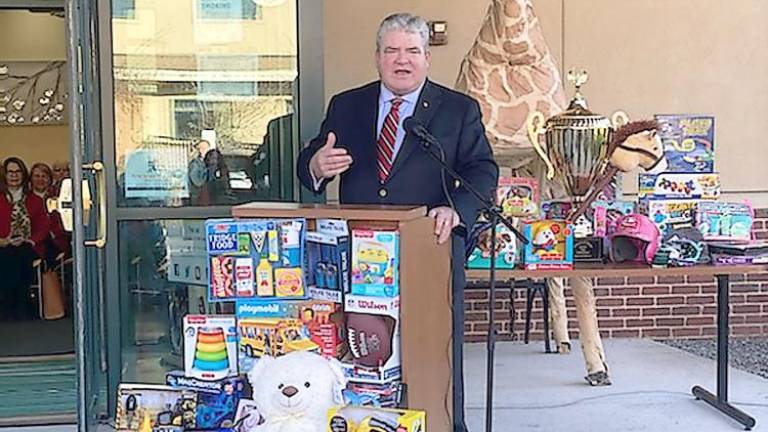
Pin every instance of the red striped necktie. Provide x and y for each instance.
(385, 148)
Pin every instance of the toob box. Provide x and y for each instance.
(518, 197)
(366, 419)
(671, 185)
(725, 221)
(670, 214)
(375, 263)
(689, 142)
(550, 245)
(210, 347)
(216, 400)
(143, 407)
(506, 248)
(373, 337)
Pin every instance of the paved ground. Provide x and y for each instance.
(747, 354)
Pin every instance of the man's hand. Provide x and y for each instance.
(446, 219)
(329, 161)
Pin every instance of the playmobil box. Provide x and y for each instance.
(672, 185)
(217, 401)
(373, 338)
(550, 245)
(506, 248)
(375, 263)
(368, 419)
(327, 264)
(725, 221)
(518, 196)
(670, 214)
(210, 347)
(606, 214)
(689, 142)
(255, 258)
(144, 407)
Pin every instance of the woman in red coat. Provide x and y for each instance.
(58, 242)
(23, 231)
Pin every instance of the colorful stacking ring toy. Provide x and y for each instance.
(211, 350)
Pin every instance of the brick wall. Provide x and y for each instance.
(653, 307)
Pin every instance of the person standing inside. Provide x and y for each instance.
(362, 140)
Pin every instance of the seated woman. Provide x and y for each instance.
(23, 230)
(59, 240)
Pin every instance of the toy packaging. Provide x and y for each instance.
(367, 419)
(324, 321)
(670, 214)
(210, 347)
(387, 395)
(729, 253)
(247, 416)
(685, 247)
(375, 263)
(725, 221)
(556, 209)
(217, 401)
(506, 248)
(689, 142)
(606, 214)
(327, 264)
(143, 407)
(550, 245)
(518, 196)
(256, 258)
(670, 185)
(373, 337)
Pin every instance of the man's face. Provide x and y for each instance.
(60, 171)
(402, 61)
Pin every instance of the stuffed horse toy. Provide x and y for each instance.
(633, 145)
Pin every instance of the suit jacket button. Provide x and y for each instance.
(382, 192)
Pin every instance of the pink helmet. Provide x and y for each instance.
(636, 239)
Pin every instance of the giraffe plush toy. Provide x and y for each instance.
(511, 72)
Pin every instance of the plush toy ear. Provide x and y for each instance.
(254, 375)
(340, 380)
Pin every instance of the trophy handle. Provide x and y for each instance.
(535, 127)
(619, 119)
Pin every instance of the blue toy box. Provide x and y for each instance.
(550, 245)
(689, 142)
(327, 265)
(725, 221)
(217, 401)
(375, 263)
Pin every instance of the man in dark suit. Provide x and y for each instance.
(362, 139)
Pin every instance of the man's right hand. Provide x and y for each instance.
(329, 161)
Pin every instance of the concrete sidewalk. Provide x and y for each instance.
(650, 392)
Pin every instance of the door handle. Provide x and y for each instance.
(101, 189)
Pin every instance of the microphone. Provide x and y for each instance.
(415, 127)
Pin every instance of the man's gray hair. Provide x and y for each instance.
(406, 22)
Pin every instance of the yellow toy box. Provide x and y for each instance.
(367, 419)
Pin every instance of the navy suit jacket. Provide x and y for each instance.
(415, 179)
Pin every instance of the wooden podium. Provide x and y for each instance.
(425, 295)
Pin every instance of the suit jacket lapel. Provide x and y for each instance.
(426, 106)
(369, 112)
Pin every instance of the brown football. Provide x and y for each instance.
(370, 338)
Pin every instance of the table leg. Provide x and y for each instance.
(720, 400)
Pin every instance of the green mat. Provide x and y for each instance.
(37, 388)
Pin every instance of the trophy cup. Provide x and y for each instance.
(576, 143)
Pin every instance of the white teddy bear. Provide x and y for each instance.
(294, 392)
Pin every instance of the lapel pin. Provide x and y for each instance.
(425, 104)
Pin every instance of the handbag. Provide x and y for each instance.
(53, 296)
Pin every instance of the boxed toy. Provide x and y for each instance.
(375, 263)
(324, 321)
(353, 418)
(210, 347)
(256, 258)
(671, 185)
(387, 395)
(550, 245)
(518, 196)
(270, 328)
(143, 407)
(248, 416)
(607, 213)
(373, 338)
(561, 210)
(217, 401)
(506, 248)
(689, 142)
(725, 221)
(670, 214)
(327, 264)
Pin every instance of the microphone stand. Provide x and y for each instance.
(493, 213)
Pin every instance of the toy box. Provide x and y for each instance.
(670, 214)
(217, 401)
(327, 263)
(375, 263)
(670, 185)
(725, 221)
(270, 328)
(607, 213)
(248, 416)
(506, 248)
(518, 196)
(387, 395)
(143, 407)
(373, 338)
(366, 419)
(256, 258)
(324, 321)
(561, 210)
(550, 245)
(689, 142)
(210, 347)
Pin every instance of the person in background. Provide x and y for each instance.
(59, 171)
(23, 231)
(197, 171)
(59, 241)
